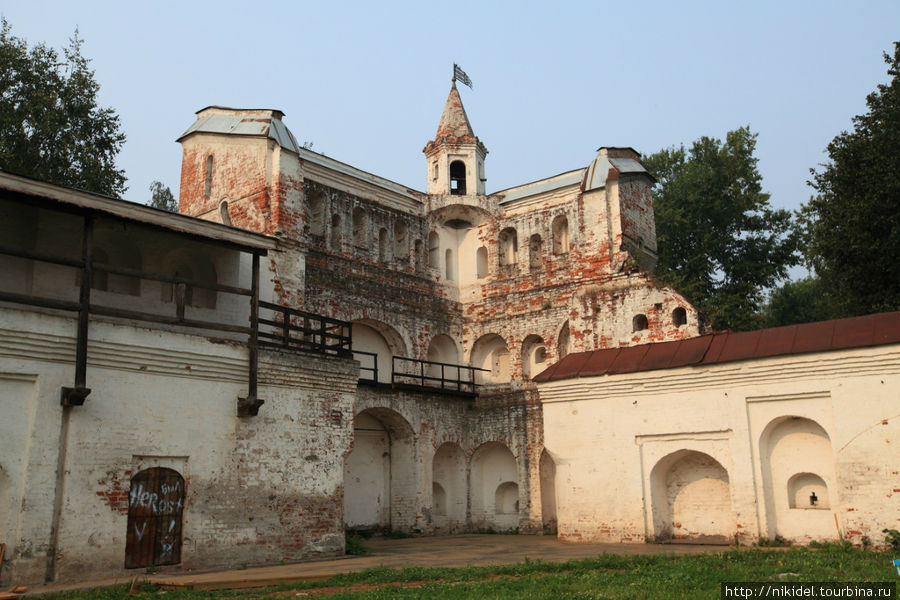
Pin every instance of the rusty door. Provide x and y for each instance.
(155, 508)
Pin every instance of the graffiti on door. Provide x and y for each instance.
(155, 508)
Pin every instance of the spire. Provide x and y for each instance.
(454, 122)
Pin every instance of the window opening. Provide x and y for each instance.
(458, 178)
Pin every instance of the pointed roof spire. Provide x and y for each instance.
(454, 122)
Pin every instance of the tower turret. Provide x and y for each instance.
(455, 157)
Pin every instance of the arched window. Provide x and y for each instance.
(434, 250)
(458, 178)
(360, 235)
(316, 214)
(679, 317)
(208, 189)
(534, 252)
(481, 263)
(335, 232)
(560, 235)
(449, 265)
(639, 323)
(401, 241)
(509, 246)
(383, 248)
(563, 341)
(223, 212)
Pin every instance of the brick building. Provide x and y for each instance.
(309, 348)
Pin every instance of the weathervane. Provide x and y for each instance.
(461, 75)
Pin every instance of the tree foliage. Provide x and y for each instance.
(802, 301)
(720, 242)
(50, 125)
(162, 197)
(853, 223)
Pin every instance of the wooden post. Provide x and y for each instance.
(249, 406)
(75, 396)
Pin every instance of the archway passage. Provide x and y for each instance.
(378, 472)
(155, 510)
(691, 499)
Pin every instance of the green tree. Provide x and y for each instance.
(162, 197)
(50, 125)
(720, 242)
(802, 301)
(853, 223)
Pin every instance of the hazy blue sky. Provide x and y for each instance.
(366, 81)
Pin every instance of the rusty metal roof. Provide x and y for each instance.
(727, 346)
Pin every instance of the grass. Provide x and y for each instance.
(608, 576)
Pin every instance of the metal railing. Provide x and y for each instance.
(431, 374)
(289, 328)
(367, 374)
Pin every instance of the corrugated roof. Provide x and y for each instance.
(252, 122)
(722, 347)
(542, 185)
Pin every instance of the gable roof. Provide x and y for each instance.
(729, 346)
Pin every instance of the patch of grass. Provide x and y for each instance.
(775, 542)
(892, 538)
(354, 544)
(609, 576)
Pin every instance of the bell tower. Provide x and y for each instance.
(455, 157)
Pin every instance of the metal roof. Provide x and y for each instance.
(598, 170)
(250, 123)
(542, 185)
(722, 347)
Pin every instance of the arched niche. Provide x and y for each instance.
(336, 234)
(449, 475)
(481, 263)
(691, 498)
(195, 265)
(560, 228)
(491, 353)
(316, 206)
(384, 248)
(360, 228)
(548, 492)
(434, 250)
(796, 460)
(534, 356)
(494, 476)
(535, 257)
(563, 341)
(509, 246)
(401, 240)
(380, 339)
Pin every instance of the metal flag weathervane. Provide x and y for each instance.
(461, 75)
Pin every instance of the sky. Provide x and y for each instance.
(365, 82)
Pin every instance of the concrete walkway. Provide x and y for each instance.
(446, 551)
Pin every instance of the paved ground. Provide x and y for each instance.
(447, 551)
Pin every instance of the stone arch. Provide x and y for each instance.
(458, 178)
(534, 356)
(382, 340)
(547, 468)
(639, 323)
(560, 228)
(679, 317)
(316, 206)
(490, 352)
(224, 214)
(691, 498)
(509, 246)
(379, 472)
(563, 341)
(443, 349)
(494, 472)
(195, 265)
(360, 228)
(449, 474)
(797, 458)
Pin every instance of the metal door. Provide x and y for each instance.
(155, 508)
